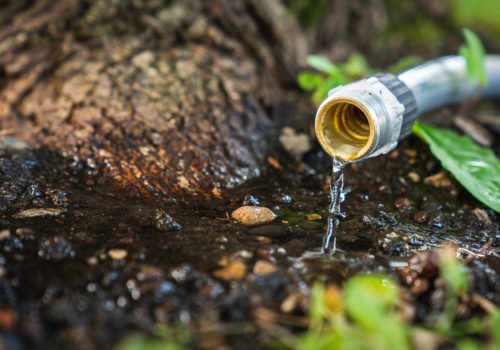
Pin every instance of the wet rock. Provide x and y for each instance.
(272, 230)
(55, 248)
(374, 223)
(36, 212)
(253, 215)
(117, 254)
(421, 216)
(402, 203)
(263, 267)
(235, 271)
(438, 180)
(164, 222)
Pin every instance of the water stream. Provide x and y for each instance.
(337, 196)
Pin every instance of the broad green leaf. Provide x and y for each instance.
(309, 81)
(322, 64)
(476, 168)
(474, 54)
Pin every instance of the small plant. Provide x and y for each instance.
(365, 315)
(332, 75)
(474, 54)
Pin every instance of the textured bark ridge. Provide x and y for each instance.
(161, 97)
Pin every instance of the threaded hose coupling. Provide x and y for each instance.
(365, 118)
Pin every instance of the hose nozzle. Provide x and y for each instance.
(365, 118)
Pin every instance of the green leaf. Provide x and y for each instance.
(322, 64)
(309, 81)
(368, 298)
(356, 66)
(476, 168)
(474, 54)
(404, 63)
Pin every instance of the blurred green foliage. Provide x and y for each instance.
(331, 75)
(307, 12)
(365, 315)
(175, 337)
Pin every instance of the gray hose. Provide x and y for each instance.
(444, 81)
(368, 117)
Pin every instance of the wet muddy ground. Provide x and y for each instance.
(101, 265)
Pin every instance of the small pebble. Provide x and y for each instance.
(313, 217)
(263, 267)
(482, 216)
(232, 272)
(36, 212)
(438, 180)
(413, 176)
(421, 216)
(220, 239)
(24, 231)
(264, 240)
(117, 254)
(290, 303)
(392, 235)
(4, 234)
(410, 152)
(253, 215)
(92, 260)
(402, 203)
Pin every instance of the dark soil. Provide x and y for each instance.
(61, 289)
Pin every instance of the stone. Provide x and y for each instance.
(234, 271)
(117, 254)
(253, 215)
(263, 267)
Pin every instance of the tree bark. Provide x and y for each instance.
(160, 97)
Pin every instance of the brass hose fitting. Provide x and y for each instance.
(368, 117)
(365, 118)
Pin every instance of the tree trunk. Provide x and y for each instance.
(161, 97)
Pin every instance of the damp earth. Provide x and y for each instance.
(84, 265)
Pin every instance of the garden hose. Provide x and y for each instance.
(368, 117)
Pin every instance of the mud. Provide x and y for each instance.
(61, 289)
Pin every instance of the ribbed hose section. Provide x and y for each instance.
(405, 96)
